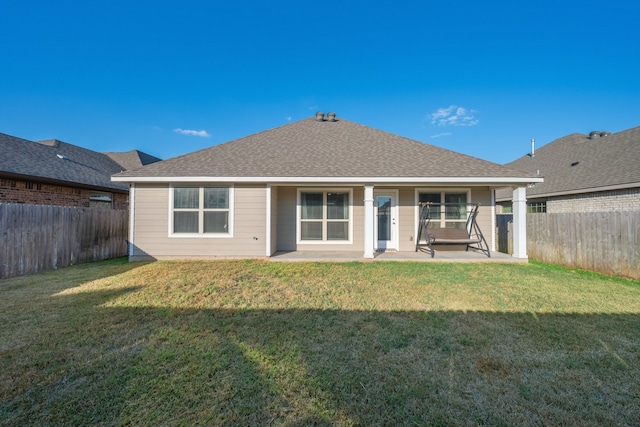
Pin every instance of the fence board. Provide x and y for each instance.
(38, 238)
(606, 242)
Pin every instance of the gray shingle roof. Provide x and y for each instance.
(609, 161)
(133, 159)
(57, 162)
(310, 148)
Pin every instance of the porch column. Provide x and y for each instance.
(368, 221)
(132, 219)
(520, 222)
(267, 230)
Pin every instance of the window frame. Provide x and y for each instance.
(201, 210)
(99, 199)
(325, 220)
(536, 206)
(442, 221)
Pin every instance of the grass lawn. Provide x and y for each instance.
(259, 343)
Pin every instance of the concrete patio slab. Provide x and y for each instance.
(440, 256)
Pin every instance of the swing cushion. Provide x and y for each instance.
(450, 236)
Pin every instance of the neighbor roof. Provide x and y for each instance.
(133, 159)
(321, 149)
(578, 164)
(57, 162)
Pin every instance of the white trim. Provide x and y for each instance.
(583, 191)
(268, 222)
(323, 190)
(493, 219)
(395, 226)
(334, 180)
(228, 235)
(520, 223)
(132, 216)
(368, 222)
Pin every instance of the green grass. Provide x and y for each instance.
(260, 343)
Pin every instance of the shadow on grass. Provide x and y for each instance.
(102, 365)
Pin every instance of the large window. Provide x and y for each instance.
(202, 211)
(449, 208)
(324, 216)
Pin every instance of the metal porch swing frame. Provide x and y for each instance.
(471, 236)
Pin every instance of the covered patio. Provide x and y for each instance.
(420, 256)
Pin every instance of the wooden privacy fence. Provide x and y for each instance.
(606, 242)
(504, 230)
(38, 238)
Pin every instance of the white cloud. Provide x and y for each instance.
(289, 118)
(201, 133)
(453, 116)
(441, 134)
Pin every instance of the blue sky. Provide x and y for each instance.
(168, 78)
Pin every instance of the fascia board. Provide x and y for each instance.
(347, 180)
(585, 190)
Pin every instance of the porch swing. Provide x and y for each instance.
(432, 233)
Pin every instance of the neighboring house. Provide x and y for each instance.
(312, 185)
(53, 172)
(583, 173)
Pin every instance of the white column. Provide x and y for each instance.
(368, 221)
(520, 222)
(132, 218)
(492, 245)
(267, 231)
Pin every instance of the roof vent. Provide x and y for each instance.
(62, 156)
(331, 117)
(594, 134)
(604, 133)
(319, 116)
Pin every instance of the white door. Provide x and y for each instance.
(385, 210)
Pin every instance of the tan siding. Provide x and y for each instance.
(407, 218)
(152, 215)
(358, 220)
(358, 228)
(482, 195)
(152, 226)
(286, 219)
(287, 198)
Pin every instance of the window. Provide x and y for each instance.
(537, 207)
(324, 216)
(451, 214)
(201, 211)
(100, 200)
(507, 207)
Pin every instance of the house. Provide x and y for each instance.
(53, 172)
(318, 184)
(582, 173)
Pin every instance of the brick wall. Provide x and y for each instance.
(607, 201)
(34, 193)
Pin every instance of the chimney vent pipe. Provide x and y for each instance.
(533, 147)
